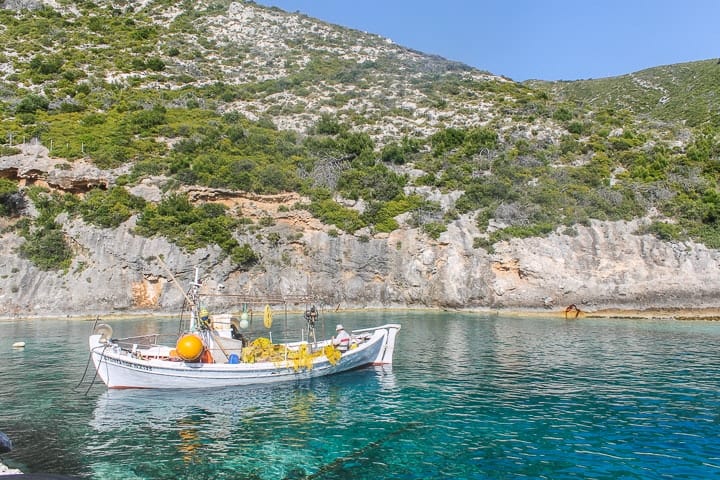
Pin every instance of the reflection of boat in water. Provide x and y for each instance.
(250, 431)
(119, 409)
(197, 426)
(207, 356)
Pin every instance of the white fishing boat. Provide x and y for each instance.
(213, 352)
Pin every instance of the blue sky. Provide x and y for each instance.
(526, 39)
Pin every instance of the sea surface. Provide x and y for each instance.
(470, 396)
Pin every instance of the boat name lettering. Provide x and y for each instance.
(129, 364)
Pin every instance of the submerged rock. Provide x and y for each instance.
(5, 443)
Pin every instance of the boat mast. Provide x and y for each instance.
(194, 300)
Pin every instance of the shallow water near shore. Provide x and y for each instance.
(469, 396)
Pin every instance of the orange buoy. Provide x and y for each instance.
(189, 347)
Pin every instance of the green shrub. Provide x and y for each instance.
(434, 229)
(562, 114)
(381, 214)
(51, 204)
(484, 243)
(376, 182)
(7, 151)
(355, 143)
(664, 231)
(478, 138)
(110, 208)
(147, 119)
(46, 65)
(535, 230)
(175, 218)
(195, 227)
(486, 192)
(576, 128)
(155, 64)
(446, 139)
(47, 248)
(10, 202)
(32, 103)
(332, 213)
(244, 256)
(328, 125)
(45, 244)
(393, 153)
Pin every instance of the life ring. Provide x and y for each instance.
(267, 318)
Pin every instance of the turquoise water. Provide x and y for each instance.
(469, 397)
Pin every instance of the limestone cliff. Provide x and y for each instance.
(604, 265)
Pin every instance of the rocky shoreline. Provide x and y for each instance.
(710, 314)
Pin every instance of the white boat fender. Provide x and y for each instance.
(18, 345)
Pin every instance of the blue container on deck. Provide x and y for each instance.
(233, 358)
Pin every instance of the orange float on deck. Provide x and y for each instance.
(189, 347)
(206, 357)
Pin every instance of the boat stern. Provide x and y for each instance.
(389, 333)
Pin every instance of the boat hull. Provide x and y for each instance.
(120, 369)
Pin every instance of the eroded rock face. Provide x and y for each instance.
(605, 265)
(35, 166)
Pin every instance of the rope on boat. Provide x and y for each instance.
(92, 382)
(87, 365)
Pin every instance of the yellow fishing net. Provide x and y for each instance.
(301, 358)
(332, 354)
(262, 350)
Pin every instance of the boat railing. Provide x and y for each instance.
(142, 341)
(372, 329)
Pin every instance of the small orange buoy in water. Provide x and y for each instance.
(189, 347)
(572, 308)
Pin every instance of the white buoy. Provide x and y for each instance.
(18, 345)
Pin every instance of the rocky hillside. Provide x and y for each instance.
(668, 93)
(287, 156)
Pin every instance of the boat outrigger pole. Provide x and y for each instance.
(193, 299)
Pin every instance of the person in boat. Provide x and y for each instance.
(341, 340)
(235, 334)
